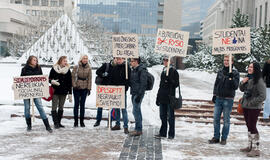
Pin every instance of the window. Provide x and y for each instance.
(61, 3)
(260, 18)
(54, 3)
(28, 12)
(35, 2)
(256, 10)
(265, 13)
(44, 2)
(26, 2)
(18, 1)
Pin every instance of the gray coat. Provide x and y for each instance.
(254, 95)
(138, 80)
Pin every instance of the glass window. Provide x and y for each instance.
(265, 13)
(26, 2)
(54, 3)
(256, 14)
(18, 1)
(44, 2)
(61, 3)
(35, 2)
(260, 18)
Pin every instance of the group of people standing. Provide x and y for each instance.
(254, 88)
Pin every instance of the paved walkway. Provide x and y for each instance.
(142, 147)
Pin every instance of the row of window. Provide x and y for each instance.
(45, 13)
(260, 22)
(53, 3)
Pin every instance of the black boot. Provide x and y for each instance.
(55, 119)
(75, 121)
(81, 122)
(60, 115)
(29, 124)
(47, 125)
(97, 123)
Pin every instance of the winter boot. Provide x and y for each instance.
(116, 127)
(75, 121)
(255, 151)
(126, 131)
(97, 123)
(55, 120)
(29, 124)
(60, 115)
(248, 148)
(213, 141)
(81, 122)
(47, 125)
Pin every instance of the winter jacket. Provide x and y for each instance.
(82, 76)
(63, 75)
(224, 87)
(138, 80)
(167, 85)
(266, 73)
(118, 76)
(254, 94)
(100, 72)
(27, 70)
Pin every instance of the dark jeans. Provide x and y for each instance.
(251, 118)
(137, 113)
(167, 115)
(79, 100)
(99, 114)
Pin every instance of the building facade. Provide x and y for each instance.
(261, 13)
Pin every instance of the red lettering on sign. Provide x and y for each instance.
(226, 40)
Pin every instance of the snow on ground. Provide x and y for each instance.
(98, 143)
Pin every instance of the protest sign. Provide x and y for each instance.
(231, 41)
(125, 46)
(172, 42)
(28, 87)
(110, 97)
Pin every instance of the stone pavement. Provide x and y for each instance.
(142, 147)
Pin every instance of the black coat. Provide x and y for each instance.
(118, 76)
(266, 74)
(30, 71)
(64, 79)
(100, 71)
(224, 87)
(167, 85)
(138, 80)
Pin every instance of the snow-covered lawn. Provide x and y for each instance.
(97, 143)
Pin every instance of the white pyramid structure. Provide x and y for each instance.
(61, 39)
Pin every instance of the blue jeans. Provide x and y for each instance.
(99, 114)
(167, 115)
(137, 113)
(39, 106)
(79, 100)
(266, 109)
(225, 106)
(124, 114)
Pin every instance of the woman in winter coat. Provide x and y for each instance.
(60, 78)
(32, 69)
(81, 83)
(266, 77)
(254, 90)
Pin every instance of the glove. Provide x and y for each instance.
(231, 75)
(69, 98)
(214, 99)
(138, 99)
(157, 103)
(88, 92)
(105, 74)
(55, 82)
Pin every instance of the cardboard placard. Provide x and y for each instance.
(110, 97)
(125, 46)
(231, 41)
(172, 42)
(28, 87)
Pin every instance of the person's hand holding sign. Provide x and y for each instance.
(245, 80)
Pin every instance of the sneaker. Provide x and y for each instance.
(158, 136)
(223, 142)
(97, 124)
(126, 130)
(136, 133)
(213, 141)
(116, 127)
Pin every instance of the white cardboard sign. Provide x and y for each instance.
(125, 46)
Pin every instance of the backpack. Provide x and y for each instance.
(99, 80)
(150, 81)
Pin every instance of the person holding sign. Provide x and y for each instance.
(30, 69)
(118, 78)
(138, 84)
(266, 77)
(254, 90)
(104, 73)
(224, 91)
(167, 86)
(81, 83)
(60, 78)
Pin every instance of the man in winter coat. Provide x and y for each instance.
(118, 78)
(104, 72)
(224, 91)
(266, 77)
(167, 87)
(138, 84)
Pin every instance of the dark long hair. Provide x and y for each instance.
(28, 62)
(257, 72)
